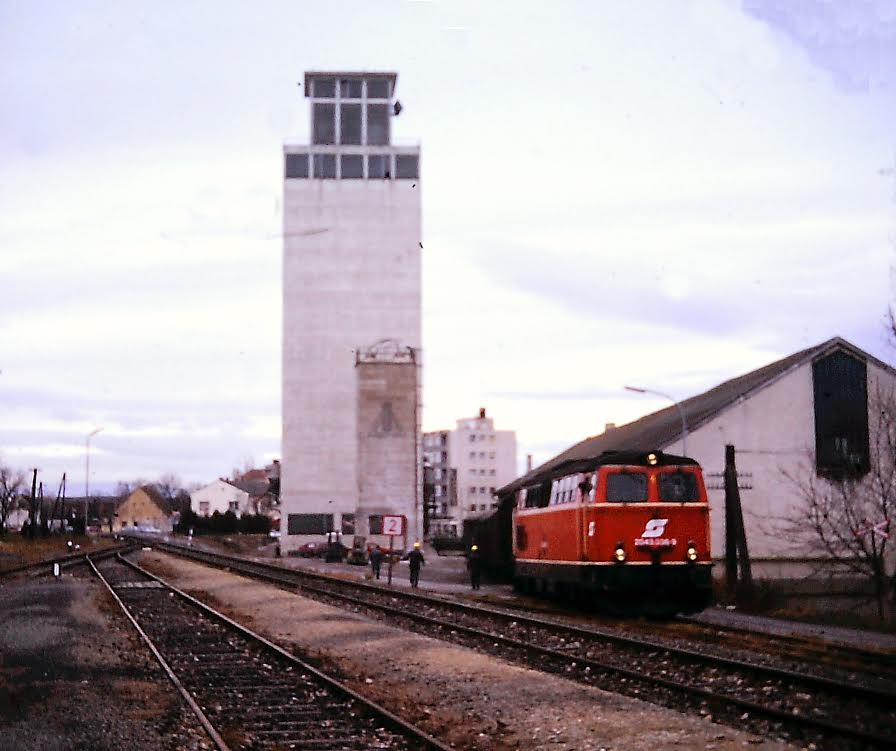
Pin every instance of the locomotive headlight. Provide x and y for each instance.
(691, 552)
(619, 553)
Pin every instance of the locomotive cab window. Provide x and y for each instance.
(678, 487)
(627, 487)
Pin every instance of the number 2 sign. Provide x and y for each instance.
(393, 525)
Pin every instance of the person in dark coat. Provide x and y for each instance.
(474, 564)
(376, 560)
(415, 561)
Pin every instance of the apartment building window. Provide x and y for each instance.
(472, 454)
(472, 438)
(472, 490)
(482, 490)
(472, 507)
(203, 508)
(491, 454)
(491, 472)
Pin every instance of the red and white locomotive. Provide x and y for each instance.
(629, 530)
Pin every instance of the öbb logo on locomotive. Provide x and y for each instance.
(652, 536)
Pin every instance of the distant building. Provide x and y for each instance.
(146, 508)
(804, 417)
(222, 496)
(467, 465)
(351, 315)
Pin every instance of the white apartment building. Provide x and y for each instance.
(351, 315)
(468, 464)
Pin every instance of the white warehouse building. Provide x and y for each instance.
(351, 316)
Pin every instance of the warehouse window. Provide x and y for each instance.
(348, 524)
(375, 524)
(309, 524)
(841, 415)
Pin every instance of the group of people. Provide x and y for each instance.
(416, 561)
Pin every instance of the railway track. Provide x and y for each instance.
(247, 692)
(45, 566)
(832, 712)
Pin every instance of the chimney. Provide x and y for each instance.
(481, 412)
(528, 462)
(609, 426)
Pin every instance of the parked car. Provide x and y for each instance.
(312, 549)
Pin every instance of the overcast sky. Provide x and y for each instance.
(663, 194)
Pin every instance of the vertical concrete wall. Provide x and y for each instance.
(351, 277)
(387, 443)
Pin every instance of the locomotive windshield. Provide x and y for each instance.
(678, 487)
(627, 487)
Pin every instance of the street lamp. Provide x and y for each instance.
(684, 424)
(87, 473)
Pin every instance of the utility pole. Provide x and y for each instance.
(87, 473)
(735, 533)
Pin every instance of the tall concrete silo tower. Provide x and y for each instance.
(351, 316)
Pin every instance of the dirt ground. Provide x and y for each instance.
(74, 675)
(461, 696)
(16, 550)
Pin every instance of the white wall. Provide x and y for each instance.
(219, 495)
(351, 277)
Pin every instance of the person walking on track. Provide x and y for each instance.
(376, 560)
(474, 564)
(415, 561)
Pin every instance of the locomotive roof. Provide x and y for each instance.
(664, 427)
(611, 458)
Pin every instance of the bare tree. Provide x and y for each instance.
(848, 516)
(12, 482)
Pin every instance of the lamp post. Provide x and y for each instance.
(684, 424)
(87, 472)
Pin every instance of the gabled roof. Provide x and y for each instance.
(157, 498)
(659, 429)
